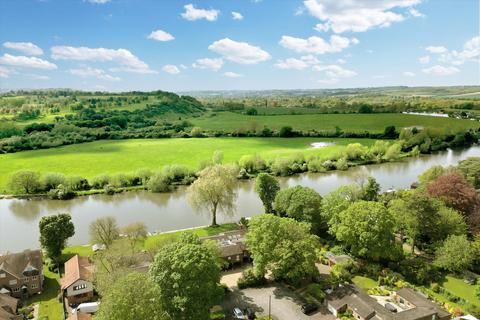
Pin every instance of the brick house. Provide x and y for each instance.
(232, 245)
(77, 286)
(8, 308)
(21, 273)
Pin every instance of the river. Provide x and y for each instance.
(170, 211)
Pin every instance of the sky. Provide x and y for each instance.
(176, 45)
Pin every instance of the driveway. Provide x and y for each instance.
(285, 304)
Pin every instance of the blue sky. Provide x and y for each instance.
(237, 44)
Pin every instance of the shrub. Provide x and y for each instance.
(281, 167)
(144, 175)
(341, 164)
(61, 193)
(76, 183)
(177, 173)
(316, 291)
(120, 180)
(100, 182)
(158, 183)
(196, 132)
(109, 189)
(52, 180)
(250, 279)
(25, 181)
(286, 132)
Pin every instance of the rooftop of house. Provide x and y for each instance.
(26, 263)
(337, 258)
(79, 316)
(77, 268)
(231, 243)
(8, 308)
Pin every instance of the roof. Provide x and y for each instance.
(28, 262)
(337, 258)
(8, 307)
(77, 268)
(79, 316)
(423, 306)
(231, 243)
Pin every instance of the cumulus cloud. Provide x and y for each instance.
(436, 49)
(358, 15)
(24, 47)
(160, 35)
(207, 63)
(237, 15)
(93, 72)
(170, 68)
(439, 70)
(240, 52)
(291, 63)
(231, 74)
(191, 13)
(317, 45)
(335, 71)
(424, 59)
(409, 74)
(415, 13)
(26, 62)
(127, 60)
(470, 52)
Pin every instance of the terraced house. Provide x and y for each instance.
(21, 273)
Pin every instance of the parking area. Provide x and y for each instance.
(285, 304)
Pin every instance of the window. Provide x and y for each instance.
(25, 279)
(16, 290)
(12, 282)
(80, 287)
(3, 275)
(34, 278)
(34, 286)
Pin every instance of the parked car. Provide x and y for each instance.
(238, 314)
(250, 314)
(309, 308)
(87, 307)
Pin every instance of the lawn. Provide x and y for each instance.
(459, 288)
(50, 307)
(364, 282)
(229, 121)
(107, 157)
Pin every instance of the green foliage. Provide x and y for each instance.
(282, 246)
(159, 182)
(104, 231)
(52, 180)
(470, 169)
(188, 275)
(25, 181)
(54, 233)
(456, 254)
(267, 188)
(371, 190)
(250, 279)
(337, 201)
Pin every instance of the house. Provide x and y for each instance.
(334, 259)
(414, 306)
(21, 273)
(77, 286)
(8, 308)
(232, 245)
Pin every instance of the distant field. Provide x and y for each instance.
(104, 157)
(229, 121)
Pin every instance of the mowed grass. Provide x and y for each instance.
(229, 121)
(109, 157)
(364, 282)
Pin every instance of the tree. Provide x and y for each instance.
(390, 132)
(213, 190)
(337, 201)
(188, 275)
(267, 188)
(52, 180)
(455, 192)
(300, 203)
(135, 232)
(470, 168)
(282, 246)
(366, 228)
(133, 296)
(25, 181)
(54, 232)
(371, 190)
(104, 231)
(431, 174)
(456, 254)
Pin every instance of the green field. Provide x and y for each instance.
(229, 121)
(106, 157)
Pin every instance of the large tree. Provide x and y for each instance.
(282, 246)
(371, 190)
(267, 188)
(337, 201)
(131, 297)
(214, 190)
(104, 231)
(135, 232)
(302, 204)
(456, 254)
(188, 274)
(470, 168)
(54, 233)
(455, 191)
(25, 181)
(366, 228)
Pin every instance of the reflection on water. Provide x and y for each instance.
(170, 211)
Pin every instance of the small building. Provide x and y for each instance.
(334, 259)
(21, 273)
(419, 306)
(8, 308)
(77, 286)
(232, 245)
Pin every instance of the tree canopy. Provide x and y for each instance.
(104, 231)
(456, 254)
(54, 233)
(267, 188)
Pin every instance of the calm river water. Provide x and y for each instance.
(170, 211)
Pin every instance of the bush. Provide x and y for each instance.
(178, 173)
(52, 180)
(281, 167)
(250, 279)
(109, 190)
(61, 193)
(158, 183)
(316, 291)
(341, 164)
(120, 180)
(25, 181)
(100, 182)
(76, 183)
(286, 132)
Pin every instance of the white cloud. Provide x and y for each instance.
(322, 27)
(335, 71)
(424, 59)
(471, 51)
(99, 1)
(4, 72)
(232, 74)
(291, 63)
(237, 15)
(207, 63)
(25, 47)
(310, 59)
(409, 74)
(93, 72)
(341, 61)
(240, 52)
(317, 45)
(439, 70)
(415, 13)
(161, 35)
(128, 61)
(436, 49)
(26, 62)
(358, 15)
(191, 13)
(170, 68)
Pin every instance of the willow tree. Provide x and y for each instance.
(214, 190)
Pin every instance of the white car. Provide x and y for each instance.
(238, 314)
(87, 307)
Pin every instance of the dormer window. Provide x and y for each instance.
(3, 275)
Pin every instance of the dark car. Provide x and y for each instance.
(309, 308)
(250, 314)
